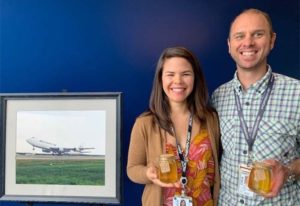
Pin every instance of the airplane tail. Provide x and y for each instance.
(82, 149)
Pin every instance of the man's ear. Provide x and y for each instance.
(228, 43)
(273, 39)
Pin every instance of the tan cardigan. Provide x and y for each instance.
(146, 145)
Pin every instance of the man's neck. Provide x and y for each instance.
(249, 77)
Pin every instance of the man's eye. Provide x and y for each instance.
(258, 34)
(238, 37)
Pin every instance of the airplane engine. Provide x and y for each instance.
(78, 149)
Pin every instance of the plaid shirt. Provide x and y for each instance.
(278, 135)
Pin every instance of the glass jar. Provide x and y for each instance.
(167, 168)
(260, 178)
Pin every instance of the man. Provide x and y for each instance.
(259, 115)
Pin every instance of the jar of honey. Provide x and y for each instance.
(260, 178)
(167, 168)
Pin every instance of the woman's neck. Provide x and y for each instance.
(179, 110)
(179, 116)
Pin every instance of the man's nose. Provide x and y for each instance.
(248, 41)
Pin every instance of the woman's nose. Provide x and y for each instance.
(177, 79)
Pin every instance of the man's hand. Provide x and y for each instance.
(279, 177)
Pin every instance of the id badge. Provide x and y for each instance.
(179, 200)
(244, 172)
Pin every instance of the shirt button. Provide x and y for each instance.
(286, 154)
(245, 152)
(247, 103)
(242, 201)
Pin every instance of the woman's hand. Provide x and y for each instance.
(152, 175)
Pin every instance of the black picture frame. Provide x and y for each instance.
(33, 113)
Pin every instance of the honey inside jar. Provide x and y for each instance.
(167, 168)
(260, 178)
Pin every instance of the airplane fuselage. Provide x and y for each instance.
(49, 147)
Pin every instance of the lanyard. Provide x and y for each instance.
(184, 159)
(250, 138)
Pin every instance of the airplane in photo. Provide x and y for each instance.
(49, 147)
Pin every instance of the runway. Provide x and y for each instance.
(29, 156)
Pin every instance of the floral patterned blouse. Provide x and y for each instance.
(200, 172)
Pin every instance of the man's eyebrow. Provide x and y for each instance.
(260, 30)
(242, 32)
(256, 30)
(237, 33)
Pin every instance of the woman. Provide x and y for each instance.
(178, 106)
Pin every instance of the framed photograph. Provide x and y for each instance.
(60, 147)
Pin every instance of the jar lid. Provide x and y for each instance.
(262, 165)
(167, 157)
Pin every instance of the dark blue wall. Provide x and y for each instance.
(97, 45)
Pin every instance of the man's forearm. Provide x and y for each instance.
(294, 168)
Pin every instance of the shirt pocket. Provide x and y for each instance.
(276, 139)
(228, 134)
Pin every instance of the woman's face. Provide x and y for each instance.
(177, 79)
(182, 203)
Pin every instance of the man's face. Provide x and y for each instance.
(250, 41)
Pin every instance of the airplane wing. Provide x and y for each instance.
(62, 149)
(69, 149)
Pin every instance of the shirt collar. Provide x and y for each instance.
(260, 86)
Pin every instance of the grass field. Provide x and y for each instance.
(60, 172)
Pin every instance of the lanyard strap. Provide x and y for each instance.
(184, 158)
(250, 138)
